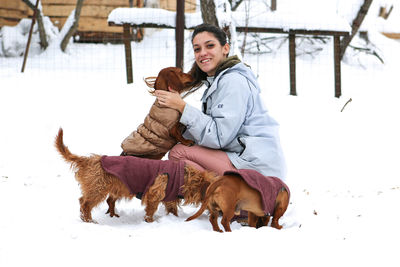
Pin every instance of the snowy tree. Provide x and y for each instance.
(71, 25)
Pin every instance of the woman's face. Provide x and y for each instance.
(208, 52)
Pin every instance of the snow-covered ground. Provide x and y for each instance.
(342, 166)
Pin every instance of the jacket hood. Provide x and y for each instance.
(227, 63)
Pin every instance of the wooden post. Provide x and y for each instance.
(336, 59)
(273, 5)
(292, 62)
(128, 52)
(28, 44)
(179, 32)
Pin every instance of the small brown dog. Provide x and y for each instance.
(231, 193)
(96, 184)
(161, 129)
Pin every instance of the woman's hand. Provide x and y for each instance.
(171, 99)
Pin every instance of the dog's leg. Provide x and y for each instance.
(281, 204)
(227, 203)
(262, 221)
(227, 217)
(213, 218)
(111, 206)
(176, 132)
(90, 199)
(252, 219)
(86, 210)
(172, 207)
(153, 197)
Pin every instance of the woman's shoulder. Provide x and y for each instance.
(238, 76)
(239, 71)
(232, 80)
(234, 74)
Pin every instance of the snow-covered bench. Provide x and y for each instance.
(276, 22)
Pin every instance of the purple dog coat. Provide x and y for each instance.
(138, 174)
(268, 186)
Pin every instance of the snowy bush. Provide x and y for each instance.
(13, 39)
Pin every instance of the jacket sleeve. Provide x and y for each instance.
(229, 106)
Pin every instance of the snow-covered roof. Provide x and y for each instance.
(280, 20)
(138, 16)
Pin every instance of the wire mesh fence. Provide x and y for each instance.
(99, 48)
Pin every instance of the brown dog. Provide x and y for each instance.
(230, 194)
(161, 129)
(96, 184)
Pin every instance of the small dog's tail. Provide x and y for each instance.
(75, 160)
(210, 190)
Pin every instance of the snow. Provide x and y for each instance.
(342, 166)
(390, 25)
(281, 20)
(142, 15)
(13, 39)
(286, 20)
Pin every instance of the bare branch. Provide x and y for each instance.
(348, 101)
(235, 4)
(74, 25)
(362, 12)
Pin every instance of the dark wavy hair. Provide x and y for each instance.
(220, 35)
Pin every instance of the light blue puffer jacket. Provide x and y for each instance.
(235, 120)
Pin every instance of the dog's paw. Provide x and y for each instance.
(217, 229)
(112, 213)
(276, 225)
(89, 221)
(148, 219)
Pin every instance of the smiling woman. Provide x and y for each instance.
(234, 129)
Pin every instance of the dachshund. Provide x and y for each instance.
(230, 194)
(161, 129)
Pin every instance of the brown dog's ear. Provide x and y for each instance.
(174, 82)
(150, 82)
(186, 79)
(161, 81)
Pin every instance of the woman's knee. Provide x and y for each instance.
(178, 152)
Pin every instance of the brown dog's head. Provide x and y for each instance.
(172, 77)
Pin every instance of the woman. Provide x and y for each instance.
(234, 130)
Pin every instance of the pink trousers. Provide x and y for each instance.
(202, 158)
